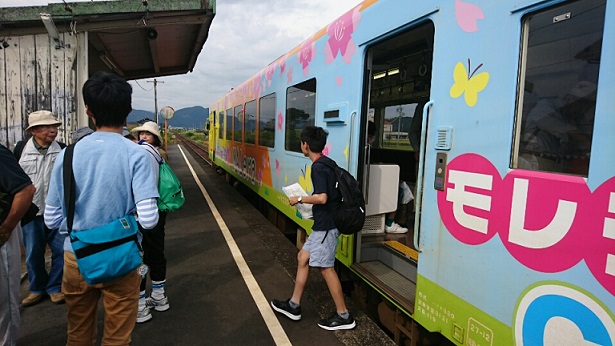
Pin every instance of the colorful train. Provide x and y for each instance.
(510, 174)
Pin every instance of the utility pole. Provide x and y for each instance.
(400, 111)
(155, 98)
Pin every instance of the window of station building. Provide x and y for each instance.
(556, 103)
(238, 124)
(300, 112)
(250, 122)
(229, 124)
(266, 121)
(221, 124)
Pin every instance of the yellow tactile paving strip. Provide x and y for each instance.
(411, 253)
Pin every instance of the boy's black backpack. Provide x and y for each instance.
(350, 214)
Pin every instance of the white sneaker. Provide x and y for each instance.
(161, 304)
(395, 228)
(143, 315)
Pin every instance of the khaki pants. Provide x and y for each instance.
(120, 301)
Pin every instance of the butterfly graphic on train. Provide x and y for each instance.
(468, 84)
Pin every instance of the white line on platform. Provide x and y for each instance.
(276, 330)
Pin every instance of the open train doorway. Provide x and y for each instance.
(398, 88)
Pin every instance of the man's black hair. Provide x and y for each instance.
(108, 98)
(315, 137)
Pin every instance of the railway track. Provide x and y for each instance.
(200, 150)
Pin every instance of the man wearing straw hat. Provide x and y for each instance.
(37, 159)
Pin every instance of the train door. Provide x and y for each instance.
(212, 133)
(398, 87)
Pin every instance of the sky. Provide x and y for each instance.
(244, 37)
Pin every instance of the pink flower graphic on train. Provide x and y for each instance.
(340, 36)
(327, 149)
(269, 73)
(280, 121)
(339, 81)
(282, 64)
(306, 55)
(256, 86)
(278, 170)
(467, 16)
(289, 78)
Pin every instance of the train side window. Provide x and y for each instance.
(300, 112)
(229, 124)
(266, 121)
(221, 125)
(397, 121)
(250, 122)
(238, 124)
(556, 103)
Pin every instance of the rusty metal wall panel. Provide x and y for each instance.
(14, 117)
(27, 70)
(69, 86)
(3, 125)
(58, 89)
(34, 75)
(43, 94)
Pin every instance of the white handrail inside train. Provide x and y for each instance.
(418, 199)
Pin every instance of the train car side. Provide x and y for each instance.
(509, 242)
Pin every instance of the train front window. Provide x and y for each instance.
(558, 87)
(300, 112)
(266, 121)
(250, 122)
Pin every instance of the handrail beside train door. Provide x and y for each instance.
(418, 199)
(352, 124)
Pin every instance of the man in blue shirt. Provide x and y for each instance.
(114, 177)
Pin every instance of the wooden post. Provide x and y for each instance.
(166, 135)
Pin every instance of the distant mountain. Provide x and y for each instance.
(138, 114)
(191, 117)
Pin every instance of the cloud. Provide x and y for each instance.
(245, 36)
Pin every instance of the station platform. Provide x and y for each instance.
(226, 261)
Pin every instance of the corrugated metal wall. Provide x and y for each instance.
(34, 75)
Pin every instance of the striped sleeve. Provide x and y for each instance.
(53, 216)
(147, 212)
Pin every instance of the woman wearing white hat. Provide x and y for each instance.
(149, 137)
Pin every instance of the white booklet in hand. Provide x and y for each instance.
(296, 190)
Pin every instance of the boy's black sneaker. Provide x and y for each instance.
(336, 322)
(283, 307)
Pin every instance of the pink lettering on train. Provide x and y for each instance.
(548, 222)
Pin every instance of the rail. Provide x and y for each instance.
(200, 150)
